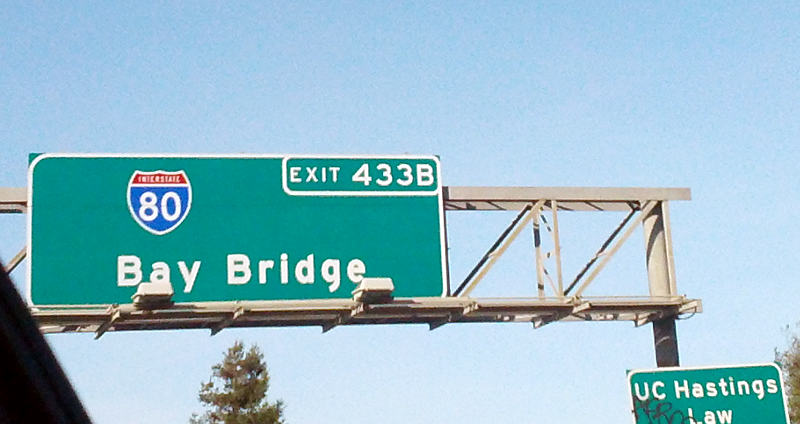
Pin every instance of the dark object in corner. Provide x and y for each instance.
(33, 387)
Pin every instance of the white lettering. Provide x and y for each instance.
(697, 390)
(238, 269)
(681, 388)
(387, 175)
(304, 270)
(311, 174)
(335, 172)
(147, 209)
(725, 417)
(407, 174)
(658, 385)
(176, 202)
(362, 175)
(772, 386)
(723, 387)
(758, 388)
(331, 273)
(160, 273)
(642, 397)
(294, 174)
(424, 174)
(263, 266)
(743, 387)
(239, 272)
(356, 270)
(284, 268)
(129, 270)
(711, 389)
(189, 276)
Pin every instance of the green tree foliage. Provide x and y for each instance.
(236, 392)
(790, 362)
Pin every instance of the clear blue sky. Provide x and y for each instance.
(692, 94)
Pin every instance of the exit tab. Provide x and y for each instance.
(362, 176)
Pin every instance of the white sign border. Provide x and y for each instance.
(284, 157)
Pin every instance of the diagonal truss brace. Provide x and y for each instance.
(498, 248)
(607, 255)
(600, 252)
(17, 259)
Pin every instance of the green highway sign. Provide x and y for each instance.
(232, 227)
(743, 394)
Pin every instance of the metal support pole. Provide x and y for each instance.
(661, 281)
(665, 339)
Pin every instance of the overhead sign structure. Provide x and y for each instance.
(227, 228)
(743, 394)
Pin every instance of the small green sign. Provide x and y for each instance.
(232, 227)
(744, 394)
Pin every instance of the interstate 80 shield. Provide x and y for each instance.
(159, 201)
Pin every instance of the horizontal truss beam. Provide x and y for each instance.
(328, 313)
(567, 198)
(13, 199)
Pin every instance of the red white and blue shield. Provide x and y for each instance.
(159, 200)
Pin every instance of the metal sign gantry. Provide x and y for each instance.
(556, 299)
